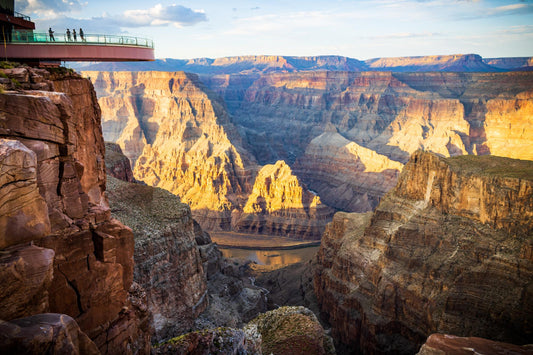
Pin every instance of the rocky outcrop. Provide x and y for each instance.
(447, 250)
(54, 182)
(290, 330)
(117, 164)
(286, 330)
(440, 344)
(218, 341)
(180, 137)
(393, 114)
(168, 264)
(49, 332)
(349, 176)
(279, 205)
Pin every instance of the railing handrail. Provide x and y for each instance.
(29, 36)
(22, 16)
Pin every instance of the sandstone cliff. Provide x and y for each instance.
(61, 250)
(179, 137)
(167, 261)
(448, 250)
(277, 201)
(117, 164)
(393, 114)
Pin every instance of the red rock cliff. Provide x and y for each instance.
(53, 155)
(448, 250)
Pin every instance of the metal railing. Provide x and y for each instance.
(22, 16)
(25, 36)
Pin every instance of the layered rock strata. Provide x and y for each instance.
(59, 242)
(267, 64)
(117, 164)
(447, 250)
(393, 114)
(280, 205)
(168, 264)
(349, 176)
(304, 118)
(179, 137)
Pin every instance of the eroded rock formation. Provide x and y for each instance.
(179, 137)
(279, 205)
(168, 264)
(53, 182)
(283, 115)
(117, 164)
(447, 250)
(441, 344)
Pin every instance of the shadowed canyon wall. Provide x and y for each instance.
(61, 250)
(179, 137)
(345, 135)
(448, 250)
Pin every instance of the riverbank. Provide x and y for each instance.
(234, 240)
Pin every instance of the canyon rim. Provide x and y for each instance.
(415, 174)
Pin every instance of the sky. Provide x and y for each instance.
(362, 29)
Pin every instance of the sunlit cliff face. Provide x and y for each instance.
(343, 135)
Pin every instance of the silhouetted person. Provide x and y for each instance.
(68, 35)
(74, 35)
(81, 35)
(51, 34)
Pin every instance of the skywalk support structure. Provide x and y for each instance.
(20, 43)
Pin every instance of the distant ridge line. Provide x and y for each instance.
(259, 64)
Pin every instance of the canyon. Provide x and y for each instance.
(344, 136)
(179, 136)
(448, 250)
(76, 280)
(95, 263)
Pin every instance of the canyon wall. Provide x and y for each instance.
(345, 135)
(307, 118)
(448, 250)
(61, 250)
(167, 260)
(178, 135)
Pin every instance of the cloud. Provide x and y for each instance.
(157, 16)
(403, 35)
(160, 15)
(49, 8)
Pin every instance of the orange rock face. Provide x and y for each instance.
(346, 135)
(448, 250)
(54, 155)
(189, 146)
(277, 200)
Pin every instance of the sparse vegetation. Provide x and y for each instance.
(8, 65)
(492, 165)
